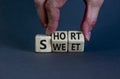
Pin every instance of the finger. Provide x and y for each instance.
(40, 7)
(53, 18)
(53, 13)
(90, 17)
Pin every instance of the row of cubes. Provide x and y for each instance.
(60, 41)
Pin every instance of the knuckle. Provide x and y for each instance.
(95, 3)
(92, 23)
(47, 5)
(100, 2)
(38, 2)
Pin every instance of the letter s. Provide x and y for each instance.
(43, 44)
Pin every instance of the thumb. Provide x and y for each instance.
(41, 11)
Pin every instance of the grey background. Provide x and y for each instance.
(19, 24)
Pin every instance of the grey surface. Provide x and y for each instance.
(20, 64)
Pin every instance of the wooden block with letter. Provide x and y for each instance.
(42, 43)
(59, 41)
(75, 41)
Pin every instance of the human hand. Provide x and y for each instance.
(49, 13)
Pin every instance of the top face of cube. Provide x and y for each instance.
(42, 36)
(59, 36)
(76, 36)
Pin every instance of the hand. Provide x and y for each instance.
(49, 13)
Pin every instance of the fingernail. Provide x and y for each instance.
(48, 31)
(88, 36)
(45, 25)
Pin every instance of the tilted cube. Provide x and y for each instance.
(59, 41)
(75, 41)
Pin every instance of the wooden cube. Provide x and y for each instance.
(42, 43)
(75, 41)
(59, 41)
